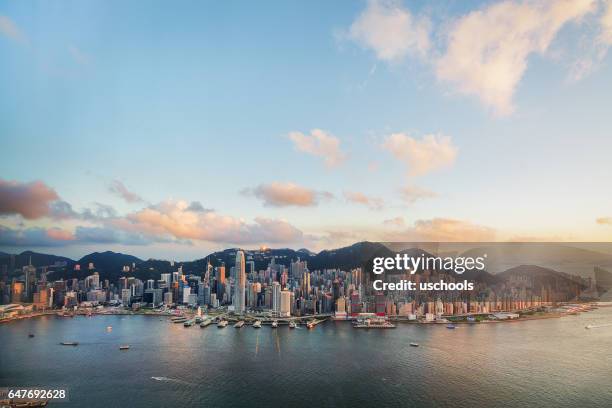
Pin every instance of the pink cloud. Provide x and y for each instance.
(30, 200)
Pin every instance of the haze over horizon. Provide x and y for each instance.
(174, 130)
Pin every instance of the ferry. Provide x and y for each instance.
(257, 324)
(239, 324)
(125, 347)
(188, 323)
(450, 326)
(178, 319)
(205, 323)
(292, 324)
(414, 344)
(274, 324)
(222, 324)
(69, 343)
(374, 323)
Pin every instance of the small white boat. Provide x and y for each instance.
(257, 324)
(124, 347)
(414, 344)
(274, 324)
(206, 323)
(292, 324)
(239, 324)
(222, 324)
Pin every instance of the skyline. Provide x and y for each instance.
(305, 125)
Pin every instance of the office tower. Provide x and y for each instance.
(285, 306)
(276, 297)
(240, 270)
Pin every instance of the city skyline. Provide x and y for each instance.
(309, 125)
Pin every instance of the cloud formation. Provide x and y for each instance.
(390, 30)
(279, 194)
(30, 200)
(443, 230)
(604, 221)
(485, 52)
(422, 156)
(321, 144)
(356, 197)
(487, 49)
(119, 189)
(395, 222)
(174, 219)
(34, 237)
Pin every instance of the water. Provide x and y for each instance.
(543, 363)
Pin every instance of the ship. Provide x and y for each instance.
(222, 324)
(450, 326)
(178, 319)
(69, 343)
(188, 323)
(311, 324)
(414, 344)
(257, 324)
(374, 323)
(239, 324)
(198, 319)
(205, 323)
(274, 324)
(292, 325)
(124, 347)
(30, 335)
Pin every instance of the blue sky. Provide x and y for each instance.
(195, 101)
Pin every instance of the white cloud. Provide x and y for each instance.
(9, 29)
(396, 222)
(487, 50)
(422, 156)
(319, 143)
(373, 203)
(390, 30)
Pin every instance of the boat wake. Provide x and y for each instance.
(597, 326)
(174, 380)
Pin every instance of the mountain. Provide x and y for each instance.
(17, 261)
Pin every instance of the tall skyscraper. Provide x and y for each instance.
(240, 270)
(276, 297)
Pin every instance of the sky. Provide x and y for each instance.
(173, 129)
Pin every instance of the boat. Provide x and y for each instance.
(178, 319)
(239, 324)
(257, 324)
(206, 322)
(198, 320)
(450, 326)
(274, 324)
(414, 344)
(292, 325)
(109, 328)
(69, 343)
(188, 323)
(124, 347)
(30, 335)
(222, 324)
(374, 323)
(311, 324)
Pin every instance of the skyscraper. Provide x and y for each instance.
(240, 271)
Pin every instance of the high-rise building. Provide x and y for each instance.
(240, 270)
(276, 297)
(285, 304)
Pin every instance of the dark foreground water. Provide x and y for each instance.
(545, 363)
